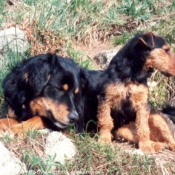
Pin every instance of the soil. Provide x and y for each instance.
(93, 49)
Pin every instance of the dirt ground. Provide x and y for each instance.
(165, 159)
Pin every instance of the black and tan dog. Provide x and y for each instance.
(124, 96)
(41, 89)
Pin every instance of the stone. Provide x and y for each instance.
(60, 146)
(135, 152)
(9, 164)
(104, 57)
(13, 38)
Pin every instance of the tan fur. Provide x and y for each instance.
(41, 105)
(159, 132)
(76, 90)
(16, 127)
(139, 97)
(65, 87)
(35, 123)
(6, 123)
(26, 76)
(161, 60)
(11, 113)
(114, 94)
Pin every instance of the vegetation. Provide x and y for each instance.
(55, 25)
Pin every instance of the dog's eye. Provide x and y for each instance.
(167, 50)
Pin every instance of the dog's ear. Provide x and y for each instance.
(147, 40)
(38, 79)
(37, 73)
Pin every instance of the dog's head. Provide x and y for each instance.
(46, 85)
(159, 54)
(140, 56)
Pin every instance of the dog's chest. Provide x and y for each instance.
(124, 100)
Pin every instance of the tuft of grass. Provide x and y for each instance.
(37, 164)
(81, 58)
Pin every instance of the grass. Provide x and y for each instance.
(92, 158)
(55, 25)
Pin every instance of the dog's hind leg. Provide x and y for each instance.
(128, 132)
(160, 131)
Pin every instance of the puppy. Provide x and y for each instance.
(123, 92)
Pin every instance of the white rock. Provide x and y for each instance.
(13, 38)
(9, 164)
(44, 131)
(104, 57)
(135, 151)
(60, 146)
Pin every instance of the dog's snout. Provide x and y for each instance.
(73, 116)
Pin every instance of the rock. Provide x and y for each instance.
(14, 39)
(9, 164)
(135, 152)
(60, 146)
(103, 58)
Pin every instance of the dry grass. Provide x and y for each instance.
(92, 157)
(88, 24)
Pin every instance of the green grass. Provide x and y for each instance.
(55, 24)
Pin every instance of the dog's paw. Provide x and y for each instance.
(106, 136)
(146, 147)
(172, 146)
(158, 146)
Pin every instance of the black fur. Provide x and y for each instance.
(170, 110)
(45, 76)
(127, 67)
(91, 79)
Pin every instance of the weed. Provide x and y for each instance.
(7, 139)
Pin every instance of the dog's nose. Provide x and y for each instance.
(73, 116)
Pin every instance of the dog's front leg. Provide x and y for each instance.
(139, 99)
(34, 123)
(105, 122)
(142, 128)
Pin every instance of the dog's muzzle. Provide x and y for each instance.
(73, 117)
